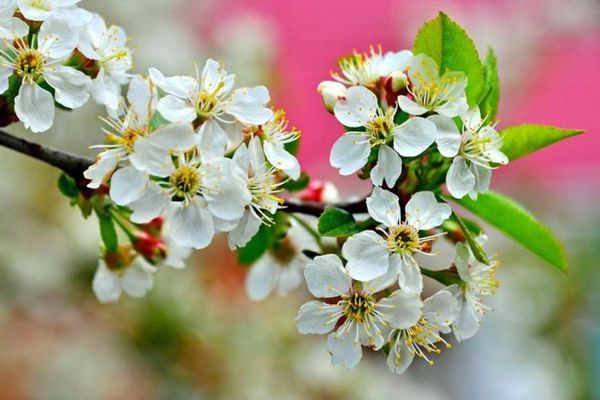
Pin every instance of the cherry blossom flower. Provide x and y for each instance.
(370, 254)
(10, 26)
(424, 336)
(366, 318)
(351, 152)
(475, 152)
(42, 60)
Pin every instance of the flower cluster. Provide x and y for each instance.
(198, 153)
(54, 51)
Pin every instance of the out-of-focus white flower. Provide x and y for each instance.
(210, 96)
(368, 319)
(351, 152)
(431, 92)
(331, 92)
(188, 187)
(132, 276)
(125, 125)
(280, 268)
(478, 279)
(108, 47)
(275, 135)
(476, 151)
(424, 336)
(42, 10)
(371, 255)
(264, 187)
(10, 26)
(367, 69)
(34, 105)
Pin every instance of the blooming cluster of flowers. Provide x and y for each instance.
(187, 157)
(54, 51)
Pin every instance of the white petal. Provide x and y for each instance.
(106, 90)
(262, 278)
(400, 357)
(192, 225)
(174, 137)
(226, 189)
(316, 317)
(290, 278)
(180, 86)
(467, 320)
(350, 153)
(384, 207)
(453, 108)
(35, 107)
(56, 38)
(5, 74)
(367, 255)
(459, 179)
(359, 106)
(244, 231)
(401, 309)
(137, 279)
(411, 279)
(100, 172)
(175, 109)
(325, 277)
(12, 28)
(278, 156)
(127, 185)
(212, 140)
(344, 348)
(176, 254)
(151, 158)
(423, 211)
(213, 74)
(388, 168)
(472, 118)
(409, 106)
(448, 137)
(249, 105)
(441, 309)
(141, 95)
(414, 136)
(151, 205)
(393, 62)
(482, 177)
(72, 87)
(461, 261)
(106, 284)
(386, 280)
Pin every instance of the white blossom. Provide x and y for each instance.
(108, 47)
(331, 92)
(430, 92)
(124, 126)
(367, 319)
(34, 105)
(368, 69)
(275, 136)
(478, 279)
(424, 336)
(43, 10)
(475, 152)
(280, 268)
(134, 278)
(10, 26)
(370, 254)
(351, 152)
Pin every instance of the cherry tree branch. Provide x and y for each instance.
(74, 166)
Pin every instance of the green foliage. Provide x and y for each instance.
(516, 222)
(68, 186)
(476, 248)
(297, 185)
(293, 147)
(449, 45)
(520, 140)
(335, 222)
(266, 237)
(491, 88)
(108, 233)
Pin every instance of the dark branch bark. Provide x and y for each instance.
(74, 166)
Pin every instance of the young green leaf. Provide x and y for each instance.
(520, 140)
(516, 222)
(476, 248)
(449, 45)
(491, 88)
(336, 222)
(256, 247)
(108, 233)
(67, 186)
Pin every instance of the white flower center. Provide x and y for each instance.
(421, 339)
(29, 64)
(185, 181)
(403, 239)
(432, 93)
(358, 307)
(381, 128)
(208, 102)
(39, 4)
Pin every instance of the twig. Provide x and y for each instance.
(74, 166)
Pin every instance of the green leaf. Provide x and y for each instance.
(292, 147)
(516, 222)
(491, 88)
(67, 186)
(297, 185)
(264, 239)
(449, 45)
(335, 222)
(520, 140)
(108, 233)
(476, 248)
(156, 121)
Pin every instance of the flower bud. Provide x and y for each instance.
(120, 259)
(153, 227)
(153, 249)
(331, 92)
(320, 191)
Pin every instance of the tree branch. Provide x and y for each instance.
(74, 166)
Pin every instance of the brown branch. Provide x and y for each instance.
(74, 166)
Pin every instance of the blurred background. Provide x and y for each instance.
(197, 336)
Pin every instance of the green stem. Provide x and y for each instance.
(124, 223)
